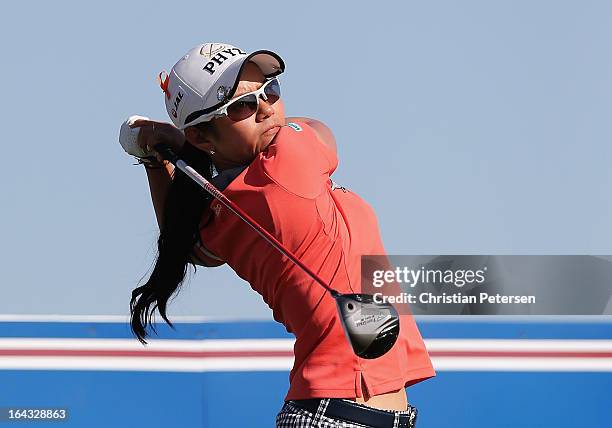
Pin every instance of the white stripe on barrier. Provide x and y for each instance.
(152, 345)
(147, 364)
(526, 345)
(433, 345)
(284, 363)
(275, 354)
(518, 364)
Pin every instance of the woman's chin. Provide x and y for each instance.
(266, 142)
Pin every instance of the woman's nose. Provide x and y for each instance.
(265, 109)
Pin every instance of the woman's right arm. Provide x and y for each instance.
(160, 179)
(152, 133)
(159, 184)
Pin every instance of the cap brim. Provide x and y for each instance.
(271, 65)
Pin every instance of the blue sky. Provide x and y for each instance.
(471, 127)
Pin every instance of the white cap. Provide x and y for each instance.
(207, 77)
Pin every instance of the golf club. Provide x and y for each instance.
(371, 328)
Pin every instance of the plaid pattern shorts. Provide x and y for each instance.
(292, 416)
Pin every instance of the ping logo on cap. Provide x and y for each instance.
(209, 49)
(220, 57)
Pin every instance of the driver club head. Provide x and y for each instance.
(371, 328)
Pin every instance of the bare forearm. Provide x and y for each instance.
(159, 184)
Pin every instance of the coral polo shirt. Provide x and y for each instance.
(287, 189)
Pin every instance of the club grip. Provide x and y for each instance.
(166, 152)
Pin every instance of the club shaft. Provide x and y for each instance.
(230, 205)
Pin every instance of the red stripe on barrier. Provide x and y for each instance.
(143, 353)
(242, 354)
(530, 354)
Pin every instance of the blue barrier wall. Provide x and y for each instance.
(216, 395)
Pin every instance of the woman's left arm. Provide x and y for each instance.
(323, 132)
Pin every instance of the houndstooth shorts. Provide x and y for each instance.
(291, 416)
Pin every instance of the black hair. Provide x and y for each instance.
(183, 211)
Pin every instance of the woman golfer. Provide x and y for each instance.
(229, 124)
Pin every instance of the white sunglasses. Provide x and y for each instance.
(245, 105)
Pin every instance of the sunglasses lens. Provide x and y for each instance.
(242, 109)
(273, 91)
(247, 105)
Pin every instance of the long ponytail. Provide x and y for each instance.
(184, 207)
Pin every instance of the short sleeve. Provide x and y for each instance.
(299, 161)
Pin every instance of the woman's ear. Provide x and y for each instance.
(199, 139)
